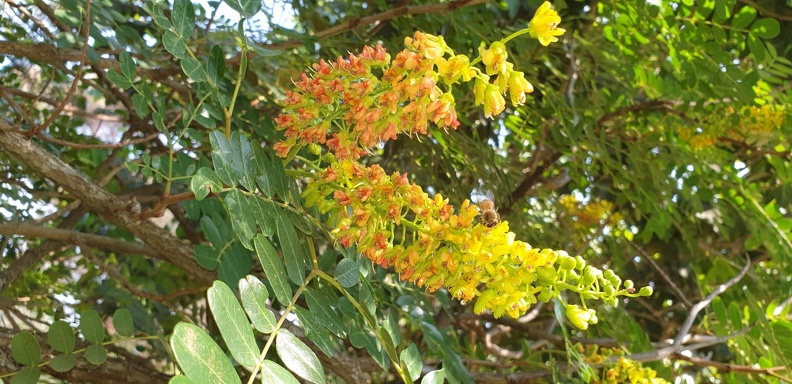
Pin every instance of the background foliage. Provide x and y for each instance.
(656, 144)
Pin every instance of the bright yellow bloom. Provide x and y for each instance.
(494, 103)
(494, 58)
(518, 87)
(544, 25)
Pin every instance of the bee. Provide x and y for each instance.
(489, 214)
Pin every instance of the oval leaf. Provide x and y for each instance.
(96, 354)
(273, 268)
(61, 337)
(275, 374)
(299, 358)
(28, 375)
(183, 17)
(254, 297)
(123, 323)
(766, 28)
(347, 273)
(63, 363)
(434, 377)
(233, 324)
(411, 358)
(25, 348)
(91, 326)
(199, 356)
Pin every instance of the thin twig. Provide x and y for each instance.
(662, 273)
(77, 76)
(73, 145)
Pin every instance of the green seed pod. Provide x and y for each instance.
(609, 290)
(628, 284)
(645, 291)
(608, 274)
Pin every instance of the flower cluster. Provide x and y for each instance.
(752, 124)
(490, 92)
(623, 371)
(354, 104)
(759, 120)
(595, 212)
(396, 224)
(347, 107)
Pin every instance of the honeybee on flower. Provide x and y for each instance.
(486, 204)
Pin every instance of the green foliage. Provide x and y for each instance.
(655, 145)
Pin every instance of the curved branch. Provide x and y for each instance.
(705, 302)
(111, 208)
(74, 237)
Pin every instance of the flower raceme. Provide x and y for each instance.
(352, 105)
(355, 103)
(396, 224)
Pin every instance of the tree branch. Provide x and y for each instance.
(73, 237)
(406, 10)
(111, 208)
(34, 255)
(705, 302)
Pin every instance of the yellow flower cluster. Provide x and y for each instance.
(624, 371)
(594, 212)
(750, 124)
(490, 93)
(442, 248)
(761, 119)
(396, 224)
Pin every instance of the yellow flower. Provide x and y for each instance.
(453, 69)
(518, 87)
(494, 103)
(579, 317)
(544, 25)
(479, 91)
(494, 58)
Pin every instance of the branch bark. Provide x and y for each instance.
(73, 237)
(107, 206)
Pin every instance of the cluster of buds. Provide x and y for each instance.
(441, 248)
(594, 212)
(591, 283)
(623, 371)
(348, 107)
